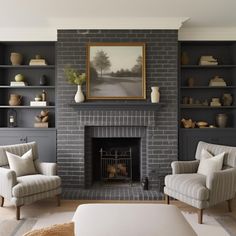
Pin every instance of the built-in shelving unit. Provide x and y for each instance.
(225, 53)
(25, 130)
(32, 74)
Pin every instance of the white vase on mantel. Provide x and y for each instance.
(155, 94)
(79, 96)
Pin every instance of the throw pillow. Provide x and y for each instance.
(209, 163)
(23, 165)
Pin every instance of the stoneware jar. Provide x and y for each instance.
(15, 100)
(79, 96)
(221, 120)
(16, 58)
(155, 95)
(191, 82)
(43, 80)
(184, 58)
(227, 99)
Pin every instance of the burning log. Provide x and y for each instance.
(114, 170)
(111, 169)
(122, 169)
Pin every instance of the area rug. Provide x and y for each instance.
(218, 226)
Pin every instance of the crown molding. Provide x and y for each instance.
(172, 23)
(214, 33)
(49, 32)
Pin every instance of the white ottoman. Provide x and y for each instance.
(130, 220)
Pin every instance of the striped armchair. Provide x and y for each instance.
(27, 189)
(197, 190)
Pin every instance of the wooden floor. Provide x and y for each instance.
(49, 206)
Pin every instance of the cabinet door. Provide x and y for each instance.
(189, 140)
(12, 137)
(46, 141)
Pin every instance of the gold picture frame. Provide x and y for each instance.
(116, 71)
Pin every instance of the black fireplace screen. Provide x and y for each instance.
(116, 159)
(116, 164)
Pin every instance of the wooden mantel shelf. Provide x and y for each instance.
(141, 106)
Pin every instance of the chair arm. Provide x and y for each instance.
(181, 167)
(7, 182)
(222, 185)
(46, 168)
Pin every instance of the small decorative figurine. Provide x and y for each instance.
(42, 119)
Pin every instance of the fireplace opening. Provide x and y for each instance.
(116, 159)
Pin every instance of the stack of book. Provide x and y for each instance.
(208, 61)
(215, 102)
(217, 81)
(38, 103)
(38, 62)
(20, 84)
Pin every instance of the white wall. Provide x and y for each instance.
(49, 33)
(213, 33)
(39, 20)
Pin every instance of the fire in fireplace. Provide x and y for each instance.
(116, 159)
(116, 164)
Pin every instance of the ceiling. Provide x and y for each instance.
(201, 13)
(40, 19)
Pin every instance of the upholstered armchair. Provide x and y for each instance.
(27, 189)
(198, 190)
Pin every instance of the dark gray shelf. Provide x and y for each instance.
(26, 87)
(27, 67)
(207, 66)
(117, 106)
(28, 107)
(209, 87)
(205, 107)
(207, 129)
(25, 128)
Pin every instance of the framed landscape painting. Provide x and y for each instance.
(116, 71)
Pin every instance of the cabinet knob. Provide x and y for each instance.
(215, 140)
(23, 140)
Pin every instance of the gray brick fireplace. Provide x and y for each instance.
(157, 129)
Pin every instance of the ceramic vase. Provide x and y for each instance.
(155, 95)
(43, 80)
(16, 58)
(15, 100)
(184, 58)
(221, 120)
(227, 99)
(79, 96)
(191, 82)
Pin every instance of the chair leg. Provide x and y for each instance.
(2, 201)
(167, 197)
(230, 205)
(58, 199)
(18, 212)
(200, 214)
